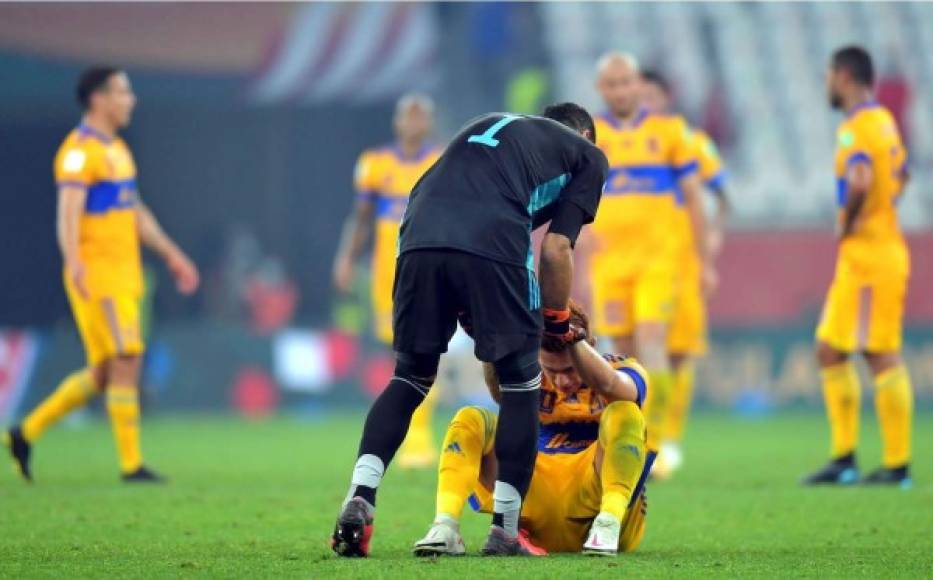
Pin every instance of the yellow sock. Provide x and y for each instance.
(843, 397)
(470, 436)
(680, 400)
(622, 439)
(418, 448)
(661, 383)
(76, 390)
(894, 403)
(123, 407)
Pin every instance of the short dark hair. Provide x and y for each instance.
(857, 62)
(573, 116)
(93, 79)
(656, 78)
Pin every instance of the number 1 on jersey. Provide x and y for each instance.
(487, 138)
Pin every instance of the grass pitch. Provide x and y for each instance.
(259, 500)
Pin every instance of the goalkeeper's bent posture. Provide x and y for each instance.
(465, 252)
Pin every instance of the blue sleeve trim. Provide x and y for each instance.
(367, 195)
(685, 170)
(717, 183)
(858, 157)
(640, 384)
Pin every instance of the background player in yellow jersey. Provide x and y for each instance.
(637, 247)
(865, 304)
(384, 178)
(687, 335)
(101, 222)
(590, 463)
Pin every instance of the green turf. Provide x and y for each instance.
(259, 500)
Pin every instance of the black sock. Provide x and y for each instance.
(517, 438)
(389, 417)
(367, 493)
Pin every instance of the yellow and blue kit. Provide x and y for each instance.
(635, 263)
(687, 332)
(109, 318)
(385, 177)
(865, 304)
(566, 490)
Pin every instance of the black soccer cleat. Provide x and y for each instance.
(893, 476)
(839, 471)
(143, 475)
(354, 529)
(20, 449)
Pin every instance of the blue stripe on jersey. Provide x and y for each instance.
(391, 207)
(104, 196)
(640, 386)
(567, 437)
(717, 182)
(842, 190)
(547, 193)
(642, 179)
(540, 197)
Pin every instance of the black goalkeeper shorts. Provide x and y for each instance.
(433, 287)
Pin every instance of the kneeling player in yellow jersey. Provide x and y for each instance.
(384, 178)
(865, 305)
(587, 489)
(101, 222)
(634, 267)
(686, 338)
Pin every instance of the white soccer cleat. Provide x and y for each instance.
(443, 539)
(603, 539)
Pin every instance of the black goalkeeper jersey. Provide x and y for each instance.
(499, 178)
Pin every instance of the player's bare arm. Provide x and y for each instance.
(690, 185)
(598, 374)
(71, 199)
(859, 178)
(716, 235)
(154, 237)
(356, 231)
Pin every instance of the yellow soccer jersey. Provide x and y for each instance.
(570, 422)
(869, 135)
(109, 241)
(710, 170)
(638, 210)
(386, 177)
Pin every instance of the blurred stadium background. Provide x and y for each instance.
(251, 117)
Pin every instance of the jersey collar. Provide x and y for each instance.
(634, 123)
(864, 105)
(86, 129)
(418, 157)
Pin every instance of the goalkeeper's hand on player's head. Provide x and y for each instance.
(558, 330)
